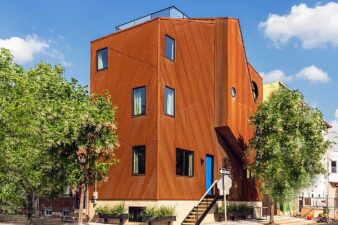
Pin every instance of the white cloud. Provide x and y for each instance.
(313, 74)
(275, 76)
(24, 49)
(313, 27)
(310, 73)
(336, 114)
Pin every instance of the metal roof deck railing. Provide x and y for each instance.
(170, 12)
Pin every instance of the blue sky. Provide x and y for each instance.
(297, 44)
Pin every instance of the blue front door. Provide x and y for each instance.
(209, 173)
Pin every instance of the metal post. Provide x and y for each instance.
(225, 200)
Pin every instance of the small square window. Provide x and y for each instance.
(139, 101)
(135, 214)
(184, 162)
(169, 101)
(48, 212)
(333, 167)
(139, 160)
(170, 48)
(102, 59)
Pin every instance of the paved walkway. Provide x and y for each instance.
(282, 220)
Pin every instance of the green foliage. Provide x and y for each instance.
(232, 208)
(117, 209)
(149, 212)
(153, 213)
(52, 133)
(164, 211)
(289, 144)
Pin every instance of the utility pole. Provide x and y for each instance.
(225, 200)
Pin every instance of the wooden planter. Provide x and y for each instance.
(232, 216)
(165, 219)
(106, 216)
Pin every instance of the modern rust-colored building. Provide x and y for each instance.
(184, 92)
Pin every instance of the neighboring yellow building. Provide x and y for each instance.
(271, 87)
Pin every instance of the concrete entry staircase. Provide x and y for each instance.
(198, 213)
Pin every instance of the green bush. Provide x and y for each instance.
(149, 212)
(157, 212)
(163, 211)
(231, 208)
(117, 209)
(243, 208)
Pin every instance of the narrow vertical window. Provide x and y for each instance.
(102, 59)
(169, 101)
(184, 162)
(170, 48)
(139, 101)
(139, 160)
(333, 167)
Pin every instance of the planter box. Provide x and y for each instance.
(121, 217)
(166, 219)
(232, 216)
(113, 216)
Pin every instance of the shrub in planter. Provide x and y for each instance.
(162, 213)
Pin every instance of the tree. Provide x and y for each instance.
(52, 133)
(289, 144)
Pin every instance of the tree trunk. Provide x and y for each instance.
(80, 218)
(29, 208)
(272, 212)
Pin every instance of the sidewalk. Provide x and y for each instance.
(282, 220)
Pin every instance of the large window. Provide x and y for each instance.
(333, 166)
(139, 101)
(169, 101)
(102, 59)
(139, 160)
(184, 162)
(169, 48)
(135, 214)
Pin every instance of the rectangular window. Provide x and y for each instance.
(169, 101)
(139, 101)
(184, 162)
(139, 160)
(333, 167)
(170, 48)
(135, 214)
(48, 212)
(102, 59)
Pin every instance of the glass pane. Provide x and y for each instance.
(139, 160)
(139, 101)
(179, 162)
(102, 59)
(169, 48)
(169, 101)
(188, 158)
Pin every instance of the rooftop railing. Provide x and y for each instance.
(170, 12)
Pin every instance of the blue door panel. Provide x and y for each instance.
(209, 173)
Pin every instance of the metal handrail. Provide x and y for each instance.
(150, 17)
(205, 194)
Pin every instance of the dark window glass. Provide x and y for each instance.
(333, 167)
(169, 101)
(102, 59)
(135, 214)
(184, 162)
(169, 48)
(254, 90)
(139, 160)
(139, 101)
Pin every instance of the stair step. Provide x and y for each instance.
(187, 223)
(189, 219)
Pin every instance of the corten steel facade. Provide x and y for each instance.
(210, 59)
